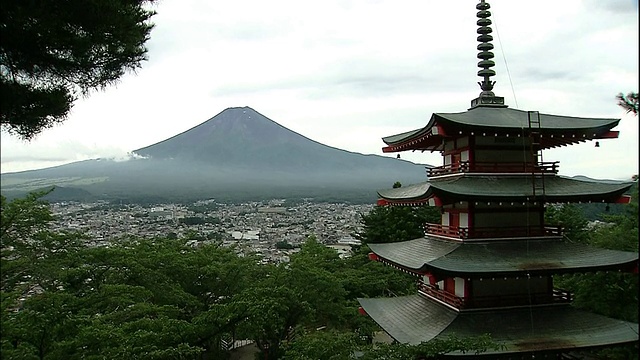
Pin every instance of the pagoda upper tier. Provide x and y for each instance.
(551, 130)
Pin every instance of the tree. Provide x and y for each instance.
(135, 299)
(628, 102)
(396, 223)
(322, 345)
(53, 51)
(336, 345)
(163, 299)
(21, 218)
(613, 294)
(303, 294)
(432, 349)
(572, 220)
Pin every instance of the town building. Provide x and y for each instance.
(488, 267)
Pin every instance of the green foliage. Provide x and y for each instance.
(23, 217)
(431, 349)
(621, 231)
(362, 277)
(51, 52)
(335, 345)
(163, 299)
(612, 294)
(137, 299)
(396, 223)
(628, 102)
(607, 293)
(322, 345)
(283, 245)
(571, 219)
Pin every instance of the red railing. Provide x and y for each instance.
(441, 295)
(490, 232)
(557, 296)
(494, 167)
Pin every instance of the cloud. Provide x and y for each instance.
(346, 73)
(614, 6)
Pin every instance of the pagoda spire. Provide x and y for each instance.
(487, 97)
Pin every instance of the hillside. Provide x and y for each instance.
(239, 153)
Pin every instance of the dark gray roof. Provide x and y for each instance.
(409, 319)
(557, 189)
(504, 119)
(414, 254)
(415, 319)
(514, 118)
(405, 135)
(501, 257)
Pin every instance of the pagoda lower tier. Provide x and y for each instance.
(518, 331)
(496, 273)
(494, 258)
(505, 188)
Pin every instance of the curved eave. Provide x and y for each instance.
(413, 254)
(414, 319)
(428, 138)
(406, 195)
(532, 257)
(497, 258)
(554, 130)
(507, 188)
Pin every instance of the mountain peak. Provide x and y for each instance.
(238, 150)
(235, 129)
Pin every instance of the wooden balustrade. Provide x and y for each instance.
(557, 296)
(494, 167)
(441, 295)
(490, 232)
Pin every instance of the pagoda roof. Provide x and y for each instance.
(415, 319)
(506, 188)
(501, 257)
(493, 121)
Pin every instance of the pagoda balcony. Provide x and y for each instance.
(494, 167)
(444, 296)
(490, 232)
(558, 296)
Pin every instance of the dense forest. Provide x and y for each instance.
(160, 298)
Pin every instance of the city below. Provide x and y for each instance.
(270, 229)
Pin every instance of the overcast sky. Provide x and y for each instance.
(346, 73)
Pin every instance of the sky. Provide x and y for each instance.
(346, 73)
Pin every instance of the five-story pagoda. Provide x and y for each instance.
(488, 267)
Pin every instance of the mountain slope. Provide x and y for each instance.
(237, 152)
(242, 137)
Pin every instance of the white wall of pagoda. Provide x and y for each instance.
(464, 155)
(464, 220)
(456, 151)
(457, 219)
(459, 286)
